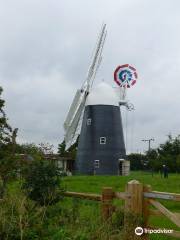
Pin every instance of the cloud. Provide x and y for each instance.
(45, 50)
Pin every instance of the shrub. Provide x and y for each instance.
(42, 182)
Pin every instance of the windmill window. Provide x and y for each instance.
(89, 121)
(102, 140)
(96, 163)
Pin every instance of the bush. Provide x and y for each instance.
(42, 183)
(19, 217)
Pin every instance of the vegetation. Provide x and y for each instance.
(23, 218)
(166, 154)
(8, 160)
(42, 182)
(70, 152)
(31, 203)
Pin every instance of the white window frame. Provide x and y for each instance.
(89, 120)
(102, 140)
(96, 164)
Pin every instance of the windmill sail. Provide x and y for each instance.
(71, 112)
(96, 59)
(73, 117)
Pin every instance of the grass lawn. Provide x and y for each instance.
(94, 184)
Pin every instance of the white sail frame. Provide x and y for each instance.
(77, 107)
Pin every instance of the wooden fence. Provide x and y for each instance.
(139, 200)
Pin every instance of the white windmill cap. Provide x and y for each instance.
(102, 94)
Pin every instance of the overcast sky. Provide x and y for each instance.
(45, 50)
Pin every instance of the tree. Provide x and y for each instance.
(153, 162)
(46, 148)
(70, 152)
(5, 129)
(42, 182)
(62, 149)
(171, 146)
(29, 149)
(136, 161)
(8, 159)
(168, 153)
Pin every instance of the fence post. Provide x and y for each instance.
(107, 198)
(133, 203)
(133, 208)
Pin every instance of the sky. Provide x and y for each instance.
(45, 52)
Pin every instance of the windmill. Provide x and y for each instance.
(95, 114)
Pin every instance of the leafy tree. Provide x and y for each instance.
(153, 162)
(28, 148)
(167, 154)
(171, 147)
(5, 129)
(8, 159)
(35, 151)
(70, 152)
(46, 148)
(42, 182)
(62, 149)
(136, 161)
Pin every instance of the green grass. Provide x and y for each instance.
(94, 184)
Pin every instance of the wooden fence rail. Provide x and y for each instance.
(162, 195)
(138, 201)
(90, 196)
